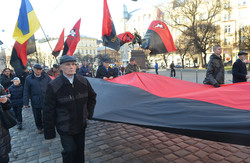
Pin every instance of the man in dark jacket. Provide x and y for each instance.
(85, 70)
(5, 146)
(69, 102)
(105, 71)
(239, 69)
(6, 78)
(215, 68)
(35, 87)
(132, 66)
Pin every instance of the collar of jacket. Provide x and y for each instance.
(33, 76)
(65, 80)
(215, 56)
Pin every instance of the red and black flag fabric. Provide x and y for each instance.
(72, 40)
(177, 106)
(109, 36)
(59, 45)
(158, 38)
(125, 37)
(19, 54)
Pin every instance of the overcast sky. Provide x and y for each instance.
(54, 15)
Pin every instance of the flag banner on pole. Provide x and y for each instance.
(59, 45)
(19, 54)
(158, 38)
(125, 37)
(177, 106)
(109, 36)
(72, 40)
(27, 23)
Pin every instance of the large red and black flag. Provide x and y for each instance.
(19, 54)
(125, 37)
(158, 38)
(172, 105)
(59, 45)
(72, 40)
(109, 36)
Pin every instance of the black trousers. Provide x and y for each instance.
(18, 113)
(172, 72)
(73, 147)
(4, 158)
(37, 112)
(156, 71)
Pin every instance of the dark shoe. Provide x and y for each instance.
(20, 126)
(40, 131)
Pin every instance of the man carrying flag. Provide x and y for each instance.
(72, 40)
(109, 36)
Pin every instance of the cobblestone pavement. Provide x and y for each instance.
(118, 143)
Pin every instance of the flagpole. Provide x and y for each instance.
(48, 43)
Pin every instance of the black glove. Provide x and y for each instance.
(216, 85)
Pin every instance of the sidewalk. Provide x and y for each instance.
(118, 143)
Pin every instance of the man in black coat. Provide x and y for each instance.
(215, 68)
(69, 102)
(239, 69)
(105, 71)
(34, 88)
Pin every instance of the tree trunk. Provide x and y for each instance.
(205, 60)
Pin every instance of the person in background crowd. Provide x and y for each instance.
(23, 76)
(215, 68)
(132, 67)
(16, 97)
(91, 70)
(85, 70)
(239, 69)
(6, 78)
(94, 70)
(172, 67)
(54, 71)
(5, 146)
(156, 67)
(35, 87)
(105, 71)
(69, 102)
(122, 69)
(116, 70)
(77, 68)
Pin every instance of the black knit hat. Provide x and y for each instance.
(242, 53)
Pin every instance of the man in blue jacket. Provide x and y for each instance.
(35, 87)
(239, 69)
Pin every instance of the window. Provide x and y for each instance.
(86, 51)
(227, 28)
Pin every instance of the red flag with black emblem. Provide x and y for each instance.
(19, 54)
(109, 36)
(59, 45)
(125, 37)
(72, 40)
(158, 38)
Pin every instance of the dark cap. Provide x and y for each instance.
(106, 60)
(67, 58)
(55, 66)
(37, 66)
(242, 53)
(132, 59)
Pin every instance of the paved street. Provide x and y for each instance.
(118, 143)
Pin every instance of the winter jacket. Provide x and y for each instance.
(53, 73)
(131, 68)
(239, 71)
(6, 81)
(215, 71)
(5, 146)
(67, 106)
(83, 70)
(16, 95)
(35, 88)
(102, 72)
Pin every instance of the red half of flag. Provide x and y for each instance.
(125, 37)
(59, 45)
(72, 40)
(158, 38)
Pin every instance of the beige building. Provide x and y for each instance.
(87, 46)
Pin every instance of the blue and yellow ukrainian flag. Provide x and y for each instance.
(27, 23)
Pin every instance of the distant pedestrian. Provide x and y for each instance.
(85, 70)
(105, 71)
(5, 146)
(54, 71)
(69, 102)
(116, 70)
(34, 88)
(132, 66)
(215, 68)
(122, 69)
(239, 69)
(156, 67)
(172, 69)
(6, 78)
(16, 97)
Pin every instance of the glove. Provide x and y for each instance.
(216, 85)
